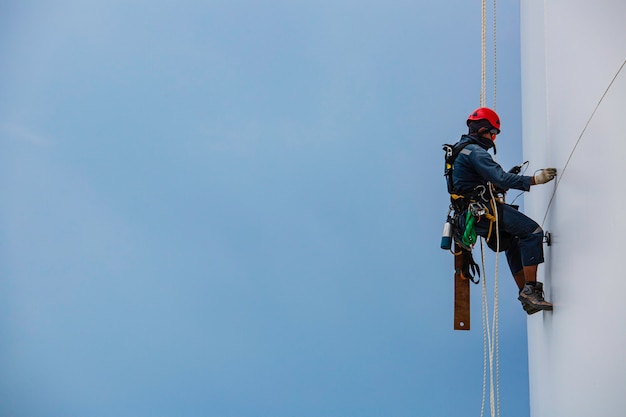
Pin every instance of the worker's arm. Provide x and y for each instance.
(491, 171)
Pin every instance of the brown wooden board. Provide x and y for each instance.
(461, 294)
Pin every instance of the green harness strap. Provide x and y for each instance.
(469, 236)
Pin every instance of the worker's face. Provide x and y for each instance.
(489, 134)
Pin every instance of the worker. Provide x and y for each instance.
(520, 237)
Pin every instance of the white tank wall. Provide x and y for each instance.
(571, 50)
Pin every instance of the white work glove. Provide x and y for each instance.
(545, 175)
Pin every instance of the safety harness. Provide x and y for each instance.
(467, 209)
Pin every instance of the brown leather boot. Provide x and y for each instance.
(532, 299)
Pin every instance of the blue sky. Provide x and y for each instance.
(233, 208)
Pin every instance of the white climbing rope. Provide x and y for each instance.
(582, 133)
(483, 72)
(491, 346)
(495, 61)
(483, 56)
(495, 345)
(486, 334)
(491, 350)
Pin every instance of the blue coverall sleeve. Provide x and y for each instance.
(491, 171)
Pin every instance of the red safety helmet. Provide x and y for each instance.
(484, 113)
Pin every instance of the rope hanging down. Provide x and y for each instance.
(490, 335)
(491, 351)
(560, 177)
(483, 73)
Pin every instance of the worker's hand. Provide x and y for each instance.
(545, 175)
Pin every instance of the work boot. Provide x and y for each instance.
(531, 297)
(529, 309)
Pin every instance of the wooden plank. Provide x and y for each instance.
(461, 294)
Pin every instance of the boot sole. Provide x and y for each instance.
(530, 308)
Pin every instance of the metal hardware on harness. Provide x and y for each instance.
(480, 191)
(477, 209)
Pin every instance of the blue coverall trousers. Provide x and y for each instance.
(526, 243)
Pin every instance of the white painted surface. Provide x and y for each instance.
(571, 50)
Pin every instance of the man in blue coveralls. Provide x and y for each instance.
(520, 237)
